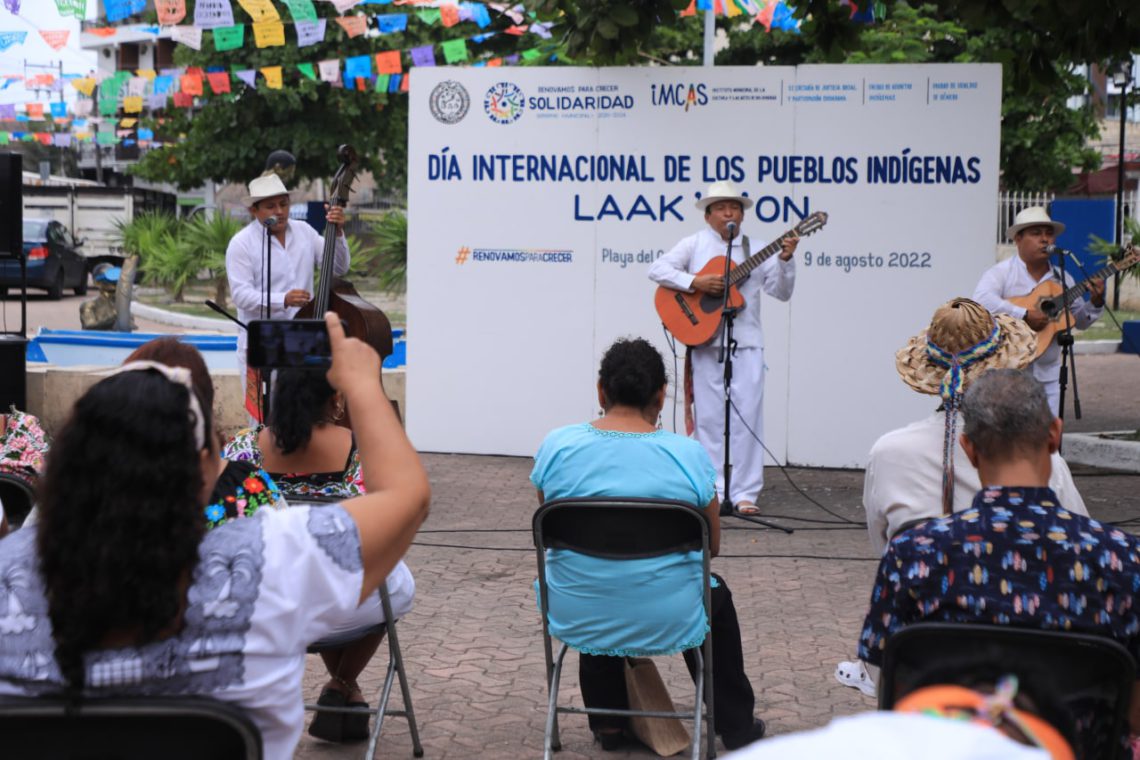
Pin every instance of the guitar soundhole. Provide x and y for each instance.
(1049, 307)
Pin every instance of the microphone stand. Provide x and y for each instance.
(262, 379)
(1065, 341)
(727, 349)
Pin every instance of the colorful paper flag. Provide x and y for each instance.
(7, 111)
(210, 14)
(307, 71)
(117, 10)
(353, 26)
(388, 62)
(302, 10)
(146, 134)
(163, 84)
(454, 51)
(61, 139)
(249, 76)
(269, 34)
(392, 22)
(449, 15)
(382, 82)
(219, 81)
(310, 32)
(170, 12)
(423, 55)
(190, 36)
(56, 39)
(191, 84)
(343, 5)
(429, 16)
(133, 104)
(8, 39)
(103, 31)
(76, 8)
(358, 67)
(183, 100)
(330, 71)
(273, 77)
(394, 82)
(260, 10)
(58, 110)
(127, 123)
(229, 37)
(35, 111)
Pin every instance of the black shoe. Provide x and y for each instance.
(329, 725)
(611, 741)
(356, 727)
(744, 737)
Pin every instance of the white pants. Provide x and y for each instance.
(747, 455)
(401, 592)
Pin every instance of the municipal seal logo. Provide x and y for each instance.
(504, 103)
(449, 102)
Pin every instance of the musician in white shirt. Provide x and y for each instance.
(296, 250)
(723, 205)
(1033, 232)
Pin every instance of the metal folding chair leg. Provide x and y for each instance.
(395, 667)
(552, 708)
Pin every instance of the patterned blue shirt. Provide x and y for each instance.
(1016, 557)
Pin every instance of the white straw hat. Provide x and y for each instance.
(723, 191)
(1032, 217)
(265, 187)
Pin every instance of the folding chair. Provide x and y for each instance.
(1091, 677)
(174, 728)
(623, 529)
(18, 494)
(395, 668)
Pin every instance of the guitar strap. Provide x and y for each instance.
(746, 249)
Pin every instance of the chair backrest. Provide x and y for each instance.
(17, 493)
(1089, 677)
(620, 528)
(126, 729)
(630, 620)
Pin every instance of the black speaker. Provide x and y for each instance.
(13, 372)
(11, 204)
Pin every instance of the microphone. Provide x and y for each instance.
(1052, 249)
(270, 222)
(732, 229)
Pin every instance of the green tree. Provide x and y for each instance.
(226, 138)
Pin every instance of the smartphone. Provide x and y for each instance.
(281, 343)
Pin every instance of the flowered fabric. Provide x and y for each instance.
(1016, 557)
(342, 485)
(241, 491)
(23, 445)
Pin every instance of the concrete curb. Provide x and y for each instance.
(162, 316)
(1092, 450)
(1096, 346)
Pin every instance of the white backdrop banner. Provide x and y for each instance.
(538, 197)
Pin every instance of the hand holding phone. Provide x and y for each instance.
(354, 362)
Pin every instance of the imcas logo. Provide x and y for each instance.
(504, 103)
(686, 95)
(449, 102)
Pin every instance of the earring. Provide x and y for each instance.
(338, 415)
(659, 422)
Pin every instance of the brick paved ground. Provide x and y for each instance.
(473, 644)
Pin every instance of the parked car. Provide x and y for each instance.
(54, 261)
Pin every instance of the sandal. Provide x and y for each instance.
(854, 674)
(329, 725)
(747, 508)
(356, 726)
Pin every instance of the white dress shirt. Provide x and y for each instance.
(776, 277)
(292, 268)
(1011, 278)
(903, 480)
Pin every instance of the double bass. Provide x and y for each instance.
(336, 294)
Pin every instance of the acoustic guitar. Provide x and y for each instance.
(694, 317)
(1051, 298)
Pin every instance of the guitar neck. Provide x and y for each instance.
(321, 297)
(1082, 287)
(756, 259)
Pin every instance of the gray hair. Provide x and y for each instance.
(1005, 411)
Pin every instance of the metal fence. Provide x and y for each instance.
(1009, 203)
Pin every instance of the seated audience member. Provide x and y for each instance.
(919, 471)
(969, 713)
(23, 446)
(120, 590)
(908, 467)
(1016, 556)
(240, 488)
(308, 454)
(623, 454)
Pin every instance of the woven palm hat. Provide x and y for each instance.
(269, 186)
(956, 326)
(723, 191)
(1031, 217)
